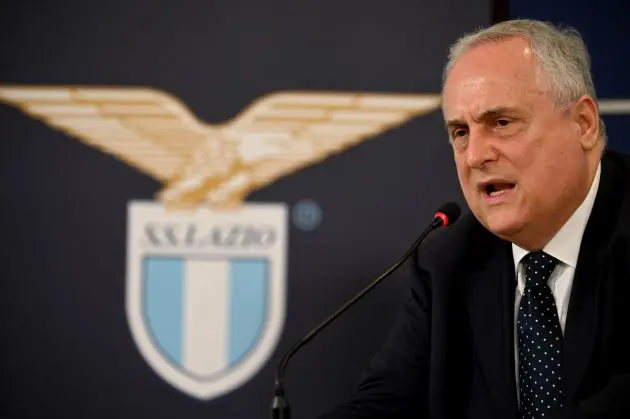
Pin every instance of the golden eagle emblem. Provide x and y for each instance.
(220, 164)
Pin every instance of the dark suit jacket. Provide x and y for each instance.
(451, 352)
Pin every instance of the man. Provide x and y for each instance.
(520, 308)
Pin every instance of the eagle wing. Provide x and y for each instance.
(144, 127)
(283, 132)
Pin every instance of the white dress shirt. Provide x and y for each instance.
(564, 246)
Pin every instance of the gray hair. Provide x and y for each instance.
(562, 57)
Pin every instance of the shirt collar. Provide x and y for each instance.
(565, 245)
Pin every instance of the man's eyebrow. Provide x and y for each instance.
(486, 114)
(493, 112)
(456, 122)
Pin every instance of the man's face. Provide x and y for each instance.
(522, 164)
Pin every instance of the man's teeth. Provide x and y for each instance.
(498, 189)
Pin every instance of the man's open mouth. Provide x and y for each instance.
(497, 188)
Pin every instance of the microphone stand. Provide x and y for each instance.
(279, 407)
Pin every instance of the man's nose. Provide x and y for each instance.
(480, 149)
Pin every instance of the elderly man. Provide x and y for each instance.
(520, 309)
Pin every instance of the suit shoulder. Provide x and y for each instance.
(620, 179)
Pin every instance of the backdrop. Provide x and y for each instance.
(311, 127)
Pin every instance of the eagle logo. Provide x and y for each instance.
(218, 164)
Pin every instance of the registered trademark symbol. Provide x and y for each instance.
(307, 215)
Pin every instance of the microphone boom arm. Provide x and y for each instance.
(280, 409)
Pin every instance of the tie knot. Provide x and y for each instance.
(538, 268)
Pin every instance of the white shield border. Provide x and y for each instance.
(241, 373)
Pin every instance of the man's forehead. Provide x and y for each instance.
(482, 89)
(506, 59)
(483, 99)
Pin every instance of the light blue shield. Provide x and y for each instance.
(205, 315)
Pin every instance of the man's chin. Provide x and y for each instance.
(503, 223)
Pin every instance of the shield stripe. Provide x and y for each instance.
(205, 316)
(248, 305)
(163, 304)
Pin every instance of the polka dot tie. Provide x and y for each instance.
(539, 341)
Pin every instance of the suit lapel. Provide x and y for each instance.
(582, 316)
(580, 331)
(491, 311)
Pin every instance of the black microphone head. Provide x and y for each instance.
(449, 213)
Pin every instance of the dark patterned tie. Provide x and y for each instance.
(539, 341)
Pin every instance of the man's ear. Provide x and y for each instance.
(586, 117)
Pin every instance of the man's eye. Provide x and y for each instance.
(458, 133)
(503, 122)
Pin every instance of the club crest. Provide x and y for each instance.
(206, 292)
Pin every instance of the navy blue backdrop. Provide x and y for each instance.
(67, 346)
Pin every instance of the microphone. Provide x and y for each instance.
(447, 214)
